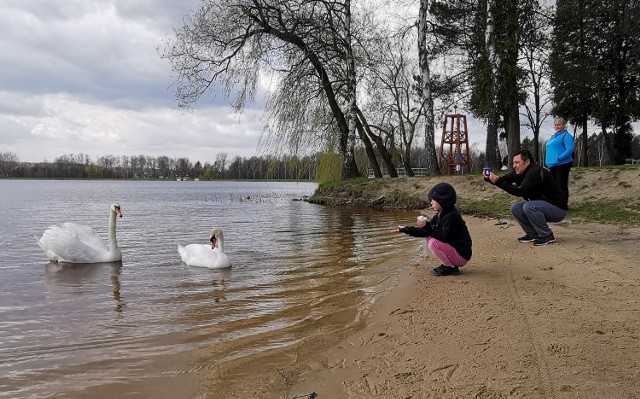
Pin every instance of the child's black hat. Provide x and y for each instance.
(445, 194)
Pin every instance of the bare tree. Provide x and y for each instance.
(394, 103)
(601, 150)
(535, 50)
(228, 44)
(424, 84)
(8, 160)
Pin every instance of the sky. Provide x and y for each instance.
(85, 76)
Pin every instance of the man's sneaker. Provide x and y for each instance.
(526, 238)
(544, 240)
(443, 270)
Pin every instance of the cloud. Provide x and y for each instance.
(85, 76)
(57, 124)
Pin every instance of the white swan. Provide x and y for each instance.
(205, 255)
(78, 243)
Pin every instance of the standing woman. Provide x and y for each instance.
(559, 154)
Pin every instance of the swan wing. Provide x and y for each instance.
(87, 235)
(222, 260)
(62, 244)
(198, 255)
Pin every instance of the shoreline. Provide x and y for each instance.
(519, 321)
(602, 195)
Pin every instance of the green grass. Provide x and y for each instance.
(331, 184)
(486, 208)
(601, 212)
(606, 212)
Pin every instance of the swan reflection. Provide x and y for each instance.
(218, 294)
(79, 279)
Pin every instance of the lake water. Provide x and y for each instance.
(151, 326)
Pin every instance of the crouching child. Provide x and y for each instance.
(447, 234)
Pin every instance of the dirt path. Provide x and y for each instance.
(559, 321)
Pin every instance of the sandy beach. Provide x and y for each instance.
(558, 321)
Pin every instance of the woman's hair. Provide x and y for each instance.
(561, 120)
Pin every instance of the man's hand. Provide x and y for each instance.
(493, 177)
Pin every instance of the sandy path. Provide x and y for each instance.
(559, 321)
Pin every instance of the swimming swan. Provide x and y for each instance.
(78, 243)
(205, 255)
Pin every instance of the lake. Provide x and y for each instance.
(151, 326)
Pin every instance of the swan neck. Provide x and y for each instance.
(220, 243)
(113, 243)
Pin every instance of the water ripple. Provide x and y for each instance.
(76, 330)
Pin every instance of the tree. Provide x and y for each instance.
(490, 60)
(535, 50)
(220, 165)
(488, 34)
(231, 42)
(164, 166)
(573, 73)
(197, 169)
(425, 89)
(621, 60)
(595, 69)
(393, 103)
(501, 37)
(8, 161)
(349, 156)
(183, 167)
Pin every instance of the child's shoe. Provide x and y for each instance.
(443, 270)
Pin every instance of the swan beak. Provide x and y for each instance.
(118, 212)
(213, 242)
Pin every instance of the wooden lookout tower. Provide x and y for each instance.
(454, 155)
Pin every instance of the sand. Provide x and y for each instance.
(558, 321)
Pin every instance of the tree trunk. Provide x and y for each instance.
(608, 145)
(585, 142)
(512, 126)
(386, 156)
(349, 167)
(492, 150)
(509, 79)
(371, 154)
(406, 162)
(431, 158)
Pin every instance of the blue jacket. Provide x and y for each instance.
(559, 149)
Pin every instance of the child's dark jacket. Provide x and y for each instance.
(446, 226)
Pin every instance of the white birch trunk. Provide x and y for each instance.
(349, 155)
(425, 86)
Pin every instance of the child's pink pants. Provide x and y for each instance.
(445, 253)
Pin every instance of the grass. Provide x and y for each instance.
(495, 208)
(594, 211)
(606, 212)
